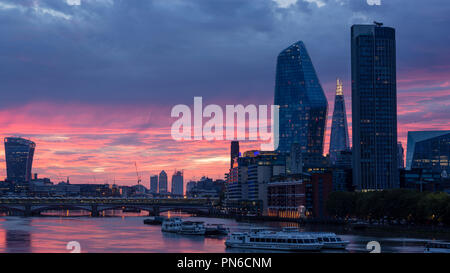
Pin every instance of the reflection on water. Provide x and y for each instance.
(122, 233)
(18, 241)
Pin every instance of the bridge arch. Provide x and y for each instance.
(39, 209)
(186, 210)
(12, 208)
(120, 207)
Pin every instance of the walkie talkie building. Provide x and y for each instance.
(19, 154)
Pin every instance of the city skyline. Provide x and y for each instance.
(98, 133)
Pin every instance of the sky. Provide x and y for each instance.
(93, 82)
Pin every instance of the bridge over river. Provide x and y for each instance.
(30, 206)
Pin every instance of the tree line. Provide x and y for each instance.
(392, 206)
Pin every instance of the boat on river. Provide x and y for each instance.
(171, 225)
(157, 220)
(285, 240)
(328, 239)
(192, 228)
(216, 230)
(437, 247)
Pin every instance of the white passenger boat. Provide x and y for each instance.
(171, 225)
(216, 230)
(328, 239)
(192, 228)
(437, 247)
(269, 240)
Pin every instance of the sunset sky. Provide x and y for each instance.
(94, 84)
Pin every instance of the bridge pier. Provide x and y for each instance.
(155, 211)
(27, 211)
(94, 211)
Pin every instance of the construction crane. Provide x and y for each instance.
(378, 24)
(137, 174)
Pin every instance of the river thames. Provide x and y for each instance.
(121, 232)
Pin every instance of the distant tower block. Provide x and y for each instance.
(234, 152)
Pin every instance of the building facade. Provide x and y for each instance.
(302, 102)
(299, 195)
(289, 196)
(163, 182)
(400, 155)
(177, 184)
(428, 150)
(254, 171)
(374, 107)
(424, 180)
(19, 154)
(234, 153)
(339, 140)
(322, 186)
(154, 184)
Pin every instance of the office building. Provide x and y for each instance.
(177, 184)
(255, 169)
(19, 154)
(163, 182)
(374, 107)
(154, 184)
(302, 102)
(400, 156)
(234, 153)
(428, 150)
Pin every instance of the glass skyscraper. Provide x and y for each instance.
(428, 150)
(19, 154)
(303, 105)
(234, 153)
(339, 129)
(177, 183)
(163, 182)
(374, 107)
(154, 184)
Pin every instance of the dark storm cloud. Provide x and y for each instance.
(165, 52)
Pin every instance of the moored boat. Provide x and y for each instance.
(171, 225)
(216, 230)
(328, 239)
(437, 247)
(359, 225)
(269, 240)
(192, 228)
(157, 220)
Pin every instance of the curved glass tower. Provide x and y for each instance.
(19, 154)
(339, 129)
(303, 105)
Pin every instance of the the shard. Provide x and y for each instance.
(339, 140)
